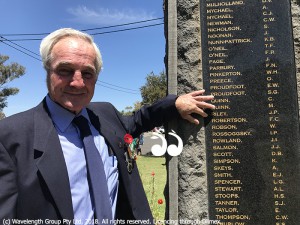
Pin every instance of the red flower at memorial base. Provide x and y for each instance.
(128, 139)
(160, 201)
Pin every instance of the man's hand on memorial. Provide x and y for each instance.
(193, 102)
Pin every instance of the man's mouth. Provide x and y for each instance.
(75, 93)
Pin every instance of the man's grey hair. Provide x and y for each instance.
(49, 41)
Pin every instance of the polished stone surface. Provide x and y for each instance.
(252, 138)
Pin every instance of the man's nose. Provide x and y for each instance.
(77, 80)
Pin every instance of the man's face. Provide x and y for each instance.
(72, 77)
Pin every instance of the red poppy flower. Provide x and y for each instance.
(152, 174)
(128, 139)
(160, 201)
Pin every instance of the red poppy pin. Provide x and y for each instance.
(130, 153)
(128, 139)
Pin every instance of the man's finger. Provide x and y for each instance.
(205, 105)
(200, 111)
(196, 93)
(204, 97)
(191, 119)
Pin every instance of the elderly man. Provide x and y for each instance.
(66, 160)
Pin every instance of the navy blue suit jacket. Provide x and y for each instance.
(34, 181)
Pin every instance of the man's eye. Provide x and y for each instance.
(87, 75)
(65, 72)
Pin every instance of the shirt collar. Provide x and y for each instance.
(61, 117)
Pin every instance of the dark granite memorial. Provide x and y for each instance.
(252, 139)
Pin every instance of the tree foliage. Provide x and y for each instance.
(8, 73)
(155, 88)
(129, 109)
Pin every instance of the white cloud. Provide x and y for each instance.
(107, 17)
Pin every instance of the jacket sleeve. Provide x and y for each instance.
(152, 116)
(8, 186)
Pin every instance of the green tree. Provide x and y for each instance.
(155, 88)
(137, 105)
(129, 109)
(7, 74)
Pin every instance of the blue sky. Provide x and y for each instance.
(128, 56)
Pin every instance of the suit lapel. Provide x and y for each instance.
(134, 204)
(113, 134)
(51, 163)
(109, 133)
